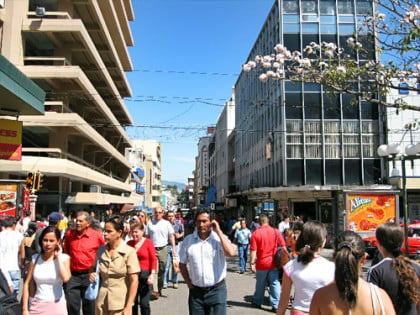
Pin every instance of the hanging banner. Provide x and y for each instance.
(10, 140)
(8, 196)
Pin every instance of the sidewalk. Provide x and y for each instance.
(240, 288)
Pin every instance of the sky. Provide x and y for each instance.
(187, 55)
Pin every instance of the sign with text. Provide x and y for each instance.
(8, 195)
(10, 140)
(367, 211)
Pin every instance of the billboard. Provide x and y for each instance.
(8, 198)
(367, 211)
(10, 140)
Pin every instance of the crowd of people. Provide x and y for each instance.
(136, 257)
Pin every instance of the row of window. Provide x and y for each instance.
(332, 7)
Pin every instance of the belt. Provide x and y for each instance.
(160, 248)
(80, 272)
(210, 288)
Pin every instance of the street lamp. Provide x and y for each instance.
(395, 152)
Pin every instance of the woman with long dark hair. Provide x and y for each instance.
(308, 272)
(349, 293)
(47, 273)
(396, 274)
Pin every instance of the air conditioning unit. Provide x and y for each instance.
(95, 188)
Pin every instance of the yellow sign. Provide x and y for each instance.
(10, 139)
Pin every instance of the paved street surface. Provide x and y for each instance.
(240, 288)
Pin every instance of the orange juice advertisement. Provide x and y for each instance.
(367, 211)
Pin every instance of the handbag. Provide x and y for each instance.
(92, 290)
(281, 255)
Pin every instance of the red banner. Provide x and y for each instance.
(10, 140)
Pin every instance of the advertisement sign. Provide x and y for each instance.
(8, 196)
(10, 140)
(367, 211)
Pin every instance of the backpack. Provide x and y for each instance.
(9, 305)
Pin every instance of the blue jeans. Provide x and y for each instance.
(15, 277)
(169, 266)
(243, 256)
(272, 278)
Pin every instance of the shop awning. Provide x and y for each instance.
(18, 94)
(140, 172)
(88, 198)
(136, 178)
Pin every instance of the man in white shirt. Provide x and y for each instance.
(10, 242)
(285, 224)
(160, 231)
(203, 266)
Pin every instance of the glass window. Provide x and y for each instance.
(310, 18)
(291, 6)
(327, 7)
(329, 38)
(328, 19)
(350, 107)
(294, 172)
(368, 43)
(309, 6)
(292, 42)
(310, 28)
(346, 29)
(345, 6)
(328, 29)
(291, 28)
(314, 172)
(364, 7)
(293, 86)
(293, 106)
(333, 172)
(311, 87)
(312, 106)
(307, 39)
(372, 171)
(291, 18)
(331, 106)
(346, 19)
(369, 110)
(352, 172)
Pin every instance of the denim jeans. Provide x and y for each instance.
(208, 301)
(15, 277)
(243, 256)
(169, 266)
(272, 278)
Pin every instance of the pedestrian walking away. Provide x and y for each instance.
(81, 244)
(203, 266)
(242, 238)
(308, 272)
(396, 274)
(349, 293)
(264, 243)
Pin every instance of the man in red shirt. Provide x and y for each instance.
(264, 243)
(81, 244)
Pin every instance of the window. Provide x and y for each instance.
(371, 171)
(350, 107)
(309, 6)
(294, 172)
(327, 7)
(352, 172)
(331, 106)
(403, 88)
(333, 172)
(291, 6)
(314, 172)
(369, 111)
(312, 106)
(345, 6)
(293, 106)
(292, 41)
(364, 7)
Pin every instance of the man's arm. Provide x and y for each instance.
(185, 274)
(228, 248)
(252, 259)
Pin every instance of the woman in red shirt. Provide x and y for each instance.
(147, 259)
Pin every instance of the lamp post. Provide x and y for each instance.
(395, 152)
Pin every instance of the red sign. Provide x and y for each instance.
(10, 140)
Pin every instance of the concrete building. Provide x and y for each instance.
(202, 169)
(403, 128)
(76, 51)
(153, 171)
(297, 149)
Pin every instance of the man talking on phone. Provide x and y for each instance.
(203, 266)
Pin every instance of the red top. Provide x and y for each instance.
(82, 248)
(263, 240)
(145, 254)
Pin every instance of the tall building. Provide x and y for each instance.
(202, 169)
(76, 51)
(153, 171)
(297, 147)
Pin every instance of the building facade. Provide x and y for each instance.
(298, 148)
(76, 51)
(202, 164)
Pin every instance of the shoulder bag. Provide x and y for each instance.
(92, 290)
(281, 255)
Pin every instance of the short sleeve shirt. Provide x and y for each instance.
(205, 259)
(263, 241)
(113, 271)
(159, 232)
(243, 236)
(9, 249)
